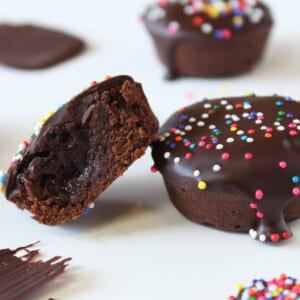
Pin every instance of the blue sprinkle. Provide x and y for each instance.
(218, 34)
(215, 141)
(181, 127)
(86, 211)
(229, 122)
(288, 98)
(172, 145)
(192, 146)
(279, 103)
(204, 99)
(244, 137)
(183, 117)
(185, 140)
(2, 179)
(290, 116)
(296, 179)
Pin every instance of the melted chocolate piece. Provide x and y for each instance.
(80, 150)
(20, 275)
(32, 47)
(212, 39)
(234, 164)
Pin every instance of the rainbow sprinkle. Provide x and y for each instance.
(282, 288)
(203, 14)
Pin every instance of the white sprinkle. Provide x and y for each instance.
(235, 118)
(277, 123)
(167, 134)
(259, 285)
(229, 107)
(281, 128)
(259, 114)
(253, 233)
(156, 13)
(22, 146)
(250, 140)
(91, 205)
(264, 127)
(219, 147)
(224, 102)
(182, 133)
(230, 140)
(192, 119)
(256, 15)
(167, 155)
(188, 128)
(206, 28)
(212, 126)
(18, 157)
(188, 10)
(296, 121)
(207, 105)
(245, 115)
(162, 138)
(197, 173)
(258, 121)
(177, 131)
(262, 238)
(2, 173)
(216, 168)
(240, 132)
(227, 116)
(205, 116)
(177, 160)
(200, 123)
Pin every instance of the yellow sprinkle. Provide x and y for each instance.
(50, 114)
(233, 129)
(237, 20)
(42, 121)
(239, 287)
(1, 188)
(212, 11)
(202, 185)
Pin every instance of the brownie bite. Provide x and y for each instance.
(233, 164)
(208, 38)
(80, 150)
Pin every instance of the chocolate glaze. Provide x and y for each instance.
(239, 152)
(190, 52)
(80, 150)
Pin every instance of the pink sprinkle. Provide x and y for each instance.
(293, 133)
(11, 163)
(292, 125)
(248, 156)
(260, 118)
(201, 144)
(260, 215)
(225, 156)
(269, 129)
(226, 34)
(187, 144)
(153, 169)
(296, 191)
(259, 194)
(282, 164)
(251, 131)
(94, 82)
(209, 146)
(173, 129)
(188, 155)
(253, 205)
(173, 27)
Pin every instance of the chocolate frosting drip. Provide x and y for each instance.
(176, 22)
(247, 147)
(20, 275)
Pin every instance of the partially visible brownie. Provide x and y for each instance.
(80, 150)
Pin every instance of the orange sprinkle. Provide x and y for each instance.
(107, 77)
(181, 109)
(239, 105)
(178, 138)
(268, 135)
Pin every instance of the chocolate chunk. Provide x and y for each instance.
(234, 164)
(80, 150)
(32, 47)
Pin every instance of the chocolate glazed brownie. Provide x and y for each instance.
(208, 38)
(234, 164)
(80, 150)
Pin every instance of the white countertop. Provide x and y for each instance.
(134, 244)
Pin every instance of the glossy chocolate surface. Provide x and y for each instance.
(247, 147)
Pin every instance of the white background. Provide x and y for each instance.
(134, 244)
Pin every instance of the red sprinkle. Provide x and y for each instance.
(153, 169)
(275, 237)
(225, 156)
(286, 235)
(248, 156)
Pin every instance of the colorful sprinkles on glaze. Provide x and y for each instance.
(203, 14)
(282, 288)
(213, 138)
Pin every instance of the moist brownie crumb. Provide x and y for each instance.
(80, 150)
